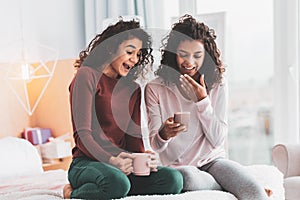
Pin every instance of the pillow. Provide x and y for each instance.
(18, 158)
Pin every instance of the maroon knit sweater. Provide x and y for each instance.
(105, 115)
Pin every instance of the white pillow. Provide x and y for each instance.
(18, 158)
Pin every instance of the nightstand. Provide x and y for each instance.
(58, 163)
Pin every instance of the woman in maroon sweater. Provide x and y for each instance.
(105, 105)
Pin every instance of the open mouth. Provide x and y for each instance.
(188, 68)
(128, 67)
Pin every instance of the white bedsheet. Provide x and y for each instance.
(49, 186)
(46, 185)
(267, 175)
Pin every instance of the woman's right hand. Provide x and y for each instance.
(170, 129)
(123, 162)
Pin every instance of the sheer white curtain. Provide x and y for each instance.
(286, 65)
(189, 7)
(95, 11)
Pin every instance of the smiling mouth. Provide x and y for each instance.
(127, 66)
(189, 68)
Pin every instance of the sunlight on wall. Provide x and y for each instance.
(13, 116)
(53, 110)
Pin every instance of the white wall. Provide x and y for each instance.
(57, 24)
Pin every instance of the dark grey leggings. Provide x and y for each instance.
(234, 178)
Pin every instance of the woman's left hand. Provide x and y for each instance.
(154, 161)
(195, 91)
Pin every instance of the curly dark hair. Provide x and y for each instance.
(189, 29)
(106, 43)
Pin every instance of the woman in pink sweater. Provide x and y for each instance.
(191, 79)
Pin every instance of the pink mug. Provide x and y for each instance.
(140, 164)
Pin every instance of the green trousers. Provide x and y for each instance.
(96, 180)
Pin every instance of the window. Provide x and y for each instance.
(248, 54)
(286, 65)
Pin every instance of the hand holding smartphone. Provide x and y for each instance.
(182, 118)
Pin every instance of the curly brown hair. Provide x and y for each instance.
(187, 28)
(105, 44)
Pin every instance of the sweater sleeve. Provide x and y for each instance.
(154, 119)
(82, 95)
(212, 112)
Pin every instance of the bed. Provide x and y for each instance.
(22, 177)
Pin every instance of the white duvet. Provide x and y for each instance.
(22, 178)
(48, 185)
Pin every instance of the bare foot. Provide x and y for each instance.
(269, 192)
(67, 191)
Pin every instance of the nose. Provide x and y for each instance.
(134, 59)
(191, 60)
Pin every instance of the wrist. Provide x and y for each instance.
(163, 134)
(201, 98)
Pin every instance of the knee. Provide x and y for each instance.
(174, 180)
(195, 179)
(119, 185)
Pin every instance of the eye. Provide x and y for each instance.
(197, 56)
(183, 55)
(129, 52)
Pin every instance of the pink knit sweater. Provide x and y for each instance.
(205, 139)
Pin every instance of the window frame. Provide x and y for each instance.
(286, 71)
